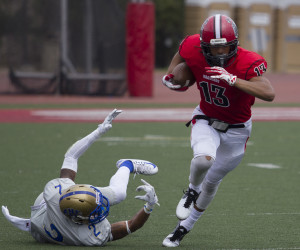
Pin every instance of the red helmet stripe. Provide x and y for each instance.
(218, 26)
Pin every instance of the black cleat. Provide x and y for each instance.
(174, 238)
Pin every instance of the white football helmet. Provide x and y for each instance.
(84, 204)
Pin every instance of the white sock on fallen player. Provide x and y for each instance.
(119, 182)
(77, 149)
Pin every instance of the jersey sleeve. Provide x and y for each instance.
(187, 51)
(181, 49)
(258, 68)
(55, 187)
(250, 65)
(188, 46)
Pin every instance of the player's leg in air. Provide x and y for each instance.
(119, 181)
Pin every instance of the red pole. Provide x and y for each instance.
(140, 48)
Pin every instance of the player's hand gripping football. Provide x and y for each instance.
(106, 124)
(221, 73)
(167, 80)
(150, 197)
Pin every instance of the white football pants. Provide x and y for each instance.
(227, 150)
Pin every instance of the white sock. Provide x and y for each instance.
(191, 220)
(196, 188)
(77, 149)
(119, 182)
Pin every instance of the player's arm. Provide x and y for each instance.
(123, 228)
(174, 62)
(69, 167)
(167, 79)
(67, 173)
(259, 87)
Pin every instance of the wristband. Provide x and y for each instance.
(127, 227)
(147, 208)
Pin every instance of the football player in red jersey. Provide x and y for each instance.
(228, 78)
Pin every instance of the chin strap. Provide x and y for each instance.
(21, 223)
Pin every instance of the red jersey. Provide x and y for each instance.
(218, 99)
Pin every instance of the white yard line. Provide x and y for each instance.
(264, 165)
(165, 114)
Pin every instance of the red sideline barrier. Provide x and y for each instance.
(140, 23)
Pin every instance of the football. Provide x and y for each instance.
(182, 74)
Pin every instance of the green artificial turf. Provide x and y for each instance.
(255, 208)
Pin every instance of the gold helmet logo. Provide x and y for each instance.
(84, 204)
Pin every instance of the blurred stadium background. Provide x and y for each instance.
(112, 48)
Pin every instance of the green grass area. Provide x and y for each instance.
(254, 208)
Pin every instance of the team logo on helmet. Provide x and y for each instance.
(202, 27)
(84, 204)
(234, 27)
